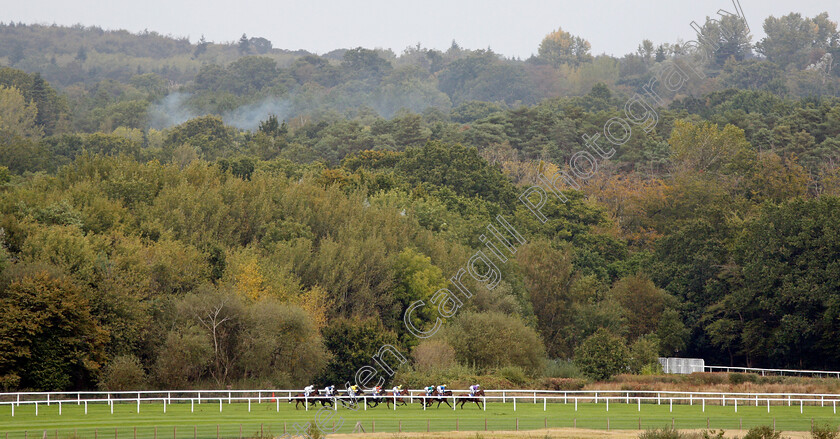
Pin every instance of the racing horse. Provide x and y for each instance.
(389, 398)
(375, 400)
(463, 399)
(354, 401)
(313, 399)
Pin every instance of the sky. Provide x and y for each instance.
(511, 28)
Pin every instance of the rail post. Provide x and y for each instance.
(544, 402)
(514, 403)
(575, 403)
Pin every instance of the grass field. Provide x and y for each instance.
(180, 422)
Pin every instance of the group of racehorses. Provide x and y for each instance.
(388, 398)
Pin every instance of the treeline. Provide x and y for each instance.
(202, 255)
(104, 71)
(206, 255)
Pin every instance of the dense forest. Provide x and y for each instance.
(180, 215)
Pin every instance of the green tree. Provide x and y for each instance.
(351, 344)
(48, 338)
(602, 355)
(492, 340)
(17, 117)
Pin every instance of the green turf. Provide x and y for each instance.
(203, 422)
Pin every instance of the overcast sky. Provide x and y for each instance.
(510, 27)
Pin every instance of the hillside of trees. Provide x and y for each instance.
(177, 215)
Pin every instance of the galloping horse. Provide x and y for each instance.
(389, 398)
(313, 399)
(441, 400)
(354, 401)
(463, 399)
(374, 401)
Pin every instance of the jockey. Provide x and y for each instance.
(329, 390)
(308, 390)
(441, 389)
(430, 390)
(397, 390)
(377, 390)
(352, 391)
(474, 389)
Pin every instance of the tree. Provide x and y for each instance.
(244, 45)
(201, 47)
(602, 355)
(672, 333)
(17, 117)
(791, 39)
(643, 303)
(123, 373)
(48, 338)
(551, 283)
(644, 353)
(560, 47)
(727, 38)
(492, 340)
(351, 344)
(363, 64)
(81, 55)
(261, 45)
(705, 148)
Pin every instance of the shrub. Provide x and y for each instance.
(123, 373)
(562, 369)
(490, 340)
(739, 378)
(823, 431)
(563, 383)
(433, 355)
(706, 378)
(602, 355)
(660, 433)
(651, 369)
(763, 432)
(644, 352)
(514, 374)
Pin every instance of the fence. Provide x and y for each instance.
(523, 410)
(782, 372)
(223, 397)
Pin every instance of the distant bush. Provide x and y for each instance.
(433, 354)
(824, 431)
(660, 433)
(763, 432)
(706, 378)
(562, 369)
(514, 374)
(563, 383)
(740, 378)
(669, 433)
(123, 373)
